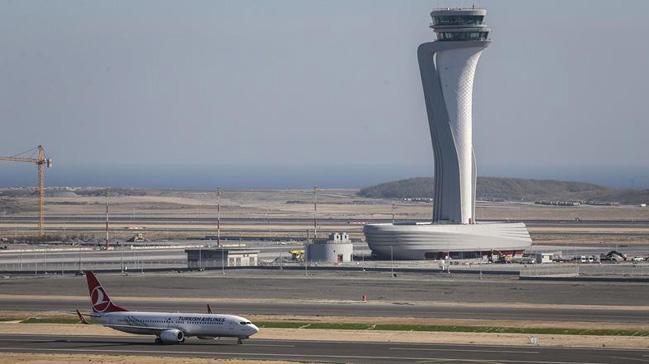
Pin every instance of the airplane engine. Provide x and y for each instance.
(172, 336)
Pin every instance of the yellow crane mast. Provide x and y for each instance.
(41, 162)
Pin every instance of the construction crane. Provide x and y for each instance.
(41, 161)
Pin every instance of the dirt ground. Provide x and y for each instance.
(332, 203)
(344, 204)
(373, 320)
(154, 299)
(362, 336)
(28, 358)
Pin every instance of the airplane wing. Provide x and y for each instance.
(82, 316)
(138, 329)
(82, 319)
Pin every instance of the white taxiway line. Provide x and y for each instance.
(243, 354)
(471, 350)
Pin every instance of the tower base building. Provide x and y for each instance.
(447, 68)
(437, 241)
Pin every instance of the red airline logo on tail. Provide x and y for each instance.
(98, 296)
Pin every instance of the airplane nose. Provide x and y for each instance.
(254, 328)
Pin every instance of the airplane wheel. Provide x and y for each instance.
(239, 341)
(158, 341)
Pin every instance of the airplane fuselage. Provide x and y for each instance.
(191, 324)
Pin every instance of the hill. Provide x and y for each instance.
(512, 189)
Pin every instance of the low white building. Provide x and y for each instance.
(546, 257)
(201, 258)
(337, 249)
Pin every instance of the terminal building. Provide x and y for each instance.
(447, 68)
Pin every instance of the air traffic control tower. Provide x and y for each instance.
(447, 68)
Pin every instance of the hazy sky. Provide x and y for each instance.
(562, 92)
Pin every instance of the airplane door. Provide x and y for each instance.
(231, 325)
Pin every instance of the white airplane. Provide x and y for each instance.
(169, 328)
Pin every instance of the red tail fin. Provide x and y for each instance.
(98, 296)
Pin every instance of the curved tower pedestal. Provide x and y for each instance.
(436, 241)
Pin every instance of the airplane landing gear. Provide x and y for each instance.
(239, 341)
(158, 340)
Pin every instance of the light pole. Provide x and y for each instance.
(107, 202)
(121, 259)
(480, 262)
(392, 261)
(270, 233)
(218, 216)
(306, 249)
(222, 261)
(315, 212)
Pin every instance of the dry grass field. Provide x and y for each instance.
(264, 214)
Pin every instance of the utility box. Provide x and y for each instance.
(542, 258)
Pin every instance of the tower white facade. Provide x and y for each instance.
(447, 68)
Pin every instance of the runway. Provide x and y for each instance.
(323, 351)
(428, 311)
(337, 286)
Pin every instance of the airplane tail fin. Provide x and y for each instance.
(99, 297)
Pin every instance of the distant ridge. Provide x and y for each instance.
(512, 189)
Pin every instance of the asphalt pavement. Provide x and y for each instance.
(427, 311)
(323, 351)
(347, 286)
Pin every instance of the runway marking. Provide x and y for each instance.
(31, 340)
(240, 354)
(634, 359)
(471, 350)
(54, 339)
(271, 345)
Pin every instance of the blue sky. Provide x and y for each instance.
(200, 93)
